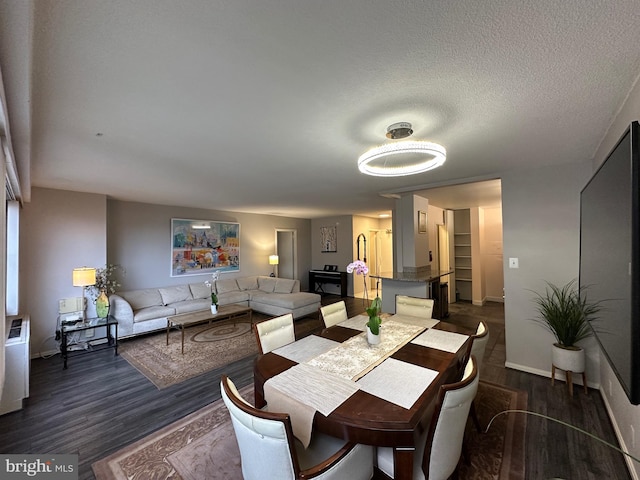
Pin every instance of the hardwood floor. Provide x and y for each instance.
(101, 404)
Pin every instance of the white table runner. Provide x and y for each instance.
(355, 357)
(306, 348)
(398, 382)
(302, 390)
(441, 340)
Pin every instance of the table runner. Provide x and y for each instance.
(355, 357)
(412, 320)
(441, 340)
(306, 348)
(359, 322)
(301, 390)
(398, 382)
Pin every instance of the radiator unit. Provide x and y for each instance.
(17, 363)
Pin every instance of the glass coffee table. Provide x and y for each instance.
(225, 312)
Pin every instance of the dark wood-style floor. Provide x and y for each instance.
(101, 403)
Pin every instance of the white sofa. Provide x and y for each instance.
(146, 310)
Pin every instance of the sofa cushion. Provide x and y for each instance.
(179, 293)
(200, 290)
(266, 284)
(149, 313)
(142, 298)
(192, 305)
(247, 283)
(284, 285)
(227, 285)
(233, 297)
(285, 300)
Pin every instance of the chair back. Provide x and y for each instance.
(444, 444)
(479, 344)
(263, 437)
(275, 332)
(334, 313)
(414, 306)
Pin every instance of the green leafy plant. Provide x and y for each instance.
(214, 298)
(374, 315)
(566, 313)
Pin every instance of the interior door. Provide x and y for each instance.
(287, 253)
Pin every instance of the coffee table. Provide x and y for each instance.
(225, 312)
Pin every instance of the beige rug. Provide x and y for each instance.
(203, 446)
(205, 347)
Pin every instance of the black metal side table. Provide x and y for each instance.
(88, 324)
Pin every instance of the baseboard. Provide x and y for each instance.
(628, 460)
(495, 299)
(547, 373)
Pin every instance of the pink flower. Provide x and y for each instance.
(359, 267)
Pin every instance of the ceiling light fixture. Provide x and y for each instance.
(401, 158)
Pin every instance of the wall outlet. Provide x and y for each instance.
(513, 263)
(633, 436)
(610, 389)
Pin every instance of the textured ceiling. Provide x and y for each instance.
(265, 106)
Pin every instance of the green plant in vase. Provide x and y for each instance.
(374, 316)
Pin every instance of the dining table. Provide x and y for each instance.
(336, 383)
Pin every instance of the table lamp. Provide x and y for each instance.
(84, 277)
(273, 260)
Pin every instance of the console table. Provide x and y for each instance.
(89, 324)
(317, 278)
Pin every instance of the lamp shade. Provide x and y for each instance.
(273, 259)
(84, 276)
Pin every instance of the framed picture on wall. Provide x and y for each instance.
(422, 221)
(204, 246)
(328, 239)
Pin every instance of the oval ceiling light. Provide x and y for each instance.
(402, 158)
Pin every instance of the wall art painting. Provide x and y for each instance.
(204, 246)
(329, 239)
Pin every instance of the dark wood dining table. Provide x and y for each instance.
(365, 418)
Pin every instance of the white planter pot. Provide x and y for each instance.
(566, 359)
(371, 338)
(214, 309)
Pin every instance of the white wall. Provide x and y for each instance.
(59, 231)
(491, 254)
(623, 413)
(345, 249)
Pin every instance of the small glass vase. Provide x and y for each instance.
(102, 305)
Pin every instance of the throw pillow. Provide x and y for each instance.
(175, 294)
(284, 285)
(227, 285)
(247, 283)
(200, 290)
(267, 284)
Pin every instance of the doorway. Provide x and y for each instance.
(286, 249)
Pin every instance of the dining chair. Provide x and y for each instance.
(478, 347)
(414, 306)
(334, 313)
(275, 332)
(268, 448)
(442, 443)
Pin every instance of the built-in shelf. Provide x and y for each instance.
(462, 253)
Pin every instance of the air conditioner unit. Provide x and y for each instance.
(17, 363)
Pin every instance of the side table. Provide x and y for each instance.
(88, 324)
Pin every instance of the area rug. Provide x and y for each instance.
(206, 347)
(498, 453)
(202, 445)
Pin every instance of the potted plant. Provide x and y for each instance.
(214, 298)
(373, 325)
(104, 286)
(568, 315)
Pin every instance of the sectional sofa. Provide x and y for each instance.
(146, 310)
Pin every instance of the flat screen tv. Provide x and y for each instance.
(610, 257)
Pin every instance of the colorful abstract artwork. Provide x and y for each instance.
(204, 246)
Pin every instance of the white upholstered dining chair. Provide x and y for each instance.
(414, 306)
(269, 450)
(442, 443)
(334, 313)
(275, 332)
(478, 347)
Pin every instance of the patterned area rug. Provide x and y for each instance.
(205, 347)
(202, 445)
